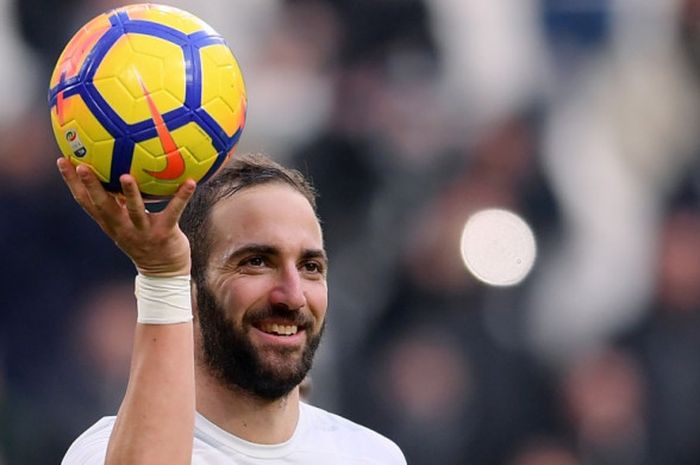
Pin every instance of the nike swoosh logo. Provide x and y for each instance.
(174, 161)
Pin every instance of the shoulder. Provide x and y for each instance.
(91, 446)
(347, 437)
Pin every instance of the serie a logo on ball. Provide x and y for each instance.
(148, 90)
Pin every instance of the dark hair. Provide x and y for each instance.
(241, 172)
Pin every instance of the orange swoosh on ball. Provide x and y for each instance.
(174, 161)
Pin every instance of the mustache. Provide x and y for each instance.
(279, 314)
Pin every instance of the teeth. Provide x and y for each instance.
(281, 330)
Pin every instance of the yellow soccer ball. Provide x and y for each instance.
(149, 90)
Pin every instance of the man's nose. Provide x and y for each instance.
(288, 290)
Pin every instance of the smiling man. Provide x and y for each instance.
(222, 388)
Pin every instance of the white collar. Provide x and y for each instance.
(209, 432)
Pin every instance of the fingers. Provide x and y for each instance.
(75, 186)
(154, 242)
(101, 199)
(134, 202)
(102, 206)
(178, 203)
(89, 193)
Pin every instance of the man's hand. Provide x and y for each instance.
(153, 241)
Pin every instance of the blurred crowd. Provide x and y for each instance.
(409, 116)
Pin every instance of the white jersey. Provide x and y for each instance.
(320, 438)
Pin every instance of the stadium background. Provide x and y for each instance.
(409, 115)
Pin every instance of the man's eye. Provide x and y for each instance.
(313, 267)
(254, 261)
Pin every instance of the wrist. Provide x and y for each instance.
(163, 299)
(171, 271)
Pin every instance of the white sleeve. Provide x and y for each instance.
(85, 456)
(91, 447)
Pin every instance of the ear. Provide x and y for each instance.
(195, 307)
(197, 334)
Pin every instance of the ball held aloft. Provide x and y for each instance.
(148, 90)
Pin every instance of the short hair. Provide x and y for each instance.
(241, 172)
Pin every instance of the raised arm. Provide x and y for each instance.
(155, 422)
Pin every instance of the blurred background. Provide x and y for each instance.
(409, 116)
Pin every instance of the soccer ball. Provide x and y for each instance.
(149, 90)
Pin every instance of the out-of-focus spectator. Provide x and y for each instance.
(439, 320)
(667, 342)
(85, 381)
(23, 160)
(300, 48)
(101, 341)
(545, 451)
(424, 381)
(494, 56)
(22, 130)
(688, 32)
(20, 77)
(24, 420)
(606, 403)
(500, 170)
(613, 150)
(445, 383)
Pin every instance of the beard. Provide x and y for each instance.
(231, 357)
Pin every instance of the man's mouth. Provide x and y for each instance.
(279, 329)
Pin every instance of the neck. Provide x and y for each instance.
(245, 415)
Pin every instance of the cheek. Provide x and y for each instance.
(317, 299)
(239, 295)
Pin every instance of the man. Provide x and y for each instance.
(222, 388)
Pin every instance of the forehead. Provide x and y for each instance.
(273, 214)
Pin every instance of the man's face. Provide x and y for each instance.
(262, 311)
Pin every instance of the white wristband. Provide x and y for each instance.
(162, 301)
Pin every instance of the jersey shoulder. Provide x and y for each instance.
(351, 439)
(90, 448)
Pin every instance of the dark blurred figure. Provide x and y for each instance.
(99, 342)
(41, 280)
(454, 382)
(689, 32)
(605, 402)
(28, 433)
(667, 343)
(424, 380)
(545, 451)
(86, 376)
(377, 29)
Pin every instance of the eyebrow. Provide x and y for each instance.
(263, 249)
(318, 254)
